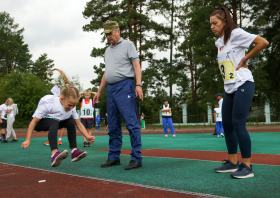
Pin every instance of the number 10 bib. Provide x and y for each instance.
(87, 109)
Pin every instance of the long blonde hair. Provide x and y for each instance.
(10, 100)
(68, 91)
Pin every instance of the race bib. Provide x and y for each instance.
(86, 112)
(227, 70)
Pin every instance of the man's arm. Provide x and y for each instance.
(101, 87)
(138, 74)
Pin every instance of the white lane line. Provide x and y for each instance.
(127, 183)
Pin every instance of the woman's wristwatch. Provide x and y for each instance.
(244, 60)
(139, 85)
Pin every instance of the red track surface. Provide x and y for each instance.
(267, 159)
(45, 134)
(23, 182)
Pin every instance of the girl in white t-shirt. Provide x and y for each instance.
(55, 112)
(239, 88)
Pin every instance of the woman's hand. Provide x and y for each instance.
(242, 64)
(25, 144)
(91, 139)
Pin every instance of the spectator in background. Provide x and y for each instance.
(13, 111)
(167, 118)
(97, 122)
(219, 96)
(3, 120)
(142, 119)
(218, 120)
(106, 121)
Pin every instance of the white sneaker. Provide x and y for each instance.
(218, 136)
(166, 136)
(174, 135)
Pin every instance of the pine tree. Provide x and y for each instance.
(13, 52)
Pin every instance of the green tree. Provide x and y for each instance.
(13, 52)
(42, 66)
(26, 90)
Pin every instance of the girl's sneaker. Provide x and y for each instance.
(227, 167)
(166, 135)
(47, 144)
(243, 172)
(78, 155)
(85, 144)
(58, 157)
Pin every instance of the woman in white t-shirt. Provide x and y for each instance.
(239, 88)
(55, 112)
(13, 110)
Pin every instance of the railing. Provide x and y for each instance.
(179, 121)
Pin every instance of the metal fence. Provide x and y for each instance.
(204, 120)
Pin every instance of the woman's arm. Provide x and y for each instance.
(30, 130)
(261, 43)
(82, 129)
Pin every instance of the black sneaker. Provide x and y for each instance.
(14, 140)
(4, 141)
(89, 144)
(227, 167)
(243, 172)
(109, 163)
(85, 144)
(133, 165)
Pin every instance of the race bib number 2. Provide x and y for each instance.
(227, 70)
(86, 112)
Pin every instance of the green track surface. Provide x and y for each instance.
(181, 174)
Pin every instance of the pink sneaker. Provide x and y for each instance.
(58, 157)
(78, 155)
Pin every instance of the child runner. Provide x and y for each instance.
(166, 118)
(3, 119)
(239, 88)
(55, 112)
(218, 120)
(97, 122)
(60, 138)
(87, 109)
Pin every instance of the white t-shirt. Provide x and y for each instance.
(50, 107)
(12, 113)
(218, 112)
(229, 57)
(3, 108)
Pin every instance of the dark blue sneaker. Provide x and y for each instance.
(227, 167)
(243, 172)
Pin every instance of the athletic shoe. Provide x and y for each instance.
(218, 136)
(13, 141)
(85, 144)
(166, 136)
(243, 172)
(133, 165)
(47, 144)
(227, 167)
(58, 157)
(214, 133)
(59, 142)
(78, 155)
(109, 163)
(222, 135)
(89, 144)
(4, 141)
(174, 136)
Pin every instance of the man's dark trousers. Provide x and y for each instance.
(121, 104)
